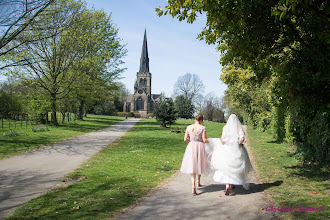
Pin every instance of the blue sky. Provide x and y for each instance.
(172, 45)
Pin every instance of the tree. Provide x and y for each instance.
(47, 61)
(190, 86)
(164, 111)
(184, 107)
(78, 61)
(292, 53)
(99, 67)
(15, 17)
(10, 105)
(212, 108)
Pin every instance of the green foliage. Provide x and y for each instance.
(165, 111)
(287, 180)
(40, 128)
(79, 66)
(130, 114)
(184, 107)
(14, 133)
(121, 114)
(283, 66)
(10, 104)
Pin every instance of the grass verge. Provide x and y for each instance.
(117, 176)
(29, 140)
(286, 181)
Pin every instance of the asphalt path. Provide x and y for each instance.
(27, 176)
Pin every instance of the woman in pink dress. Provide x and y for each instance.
(195, 158)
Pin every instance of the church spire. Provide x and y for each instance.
(144, 60)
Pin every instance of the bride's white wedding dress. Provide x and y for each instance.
(230, 161)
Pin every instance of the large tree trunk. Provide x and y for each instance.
(81, 110)
(63, 117)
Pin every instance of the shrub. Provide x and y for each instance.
(130, 114)
(164, 111)
(150, 115)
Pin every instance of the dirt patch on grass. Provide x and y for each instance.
(68, 182)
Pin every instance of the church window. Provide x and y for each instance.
(139, 104)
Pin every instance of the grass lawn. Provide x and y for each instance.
(29, 140)
(117, 176)
(132, 166)
(286, 181)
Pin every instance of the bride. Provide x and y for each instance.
(229, 158)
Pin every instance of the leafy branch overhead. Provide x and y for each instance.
(279, 51)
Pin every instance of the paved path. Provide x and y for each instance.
(27, 176)
(174, 200)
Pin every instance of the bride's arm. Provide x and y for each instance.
(241, 136)
(205, 140)
(222, 135)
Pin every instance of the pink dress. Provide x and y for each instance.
(195, 157)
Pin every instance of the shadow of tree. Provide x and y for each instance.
(311, 172)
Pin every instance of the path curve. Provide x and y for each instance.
(173, 200)
(26, 176)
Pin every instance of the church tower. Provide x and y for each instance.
(143, 77)
(142, 101)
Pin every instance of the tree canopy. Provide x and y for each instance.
(276, 61)
(74, 60)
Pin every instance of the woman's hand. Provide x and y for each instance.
(241, 141)
(206, 141)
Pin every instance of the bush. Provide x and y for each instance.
(122, 114)
(130, 114)
(164, 111)
(137, 115)
(150, 115)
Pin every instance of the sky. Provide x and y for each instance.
(172, 45)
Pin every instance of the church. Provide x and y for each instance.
(142, 101)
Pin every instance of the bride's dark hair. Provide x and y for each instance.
(199, 117)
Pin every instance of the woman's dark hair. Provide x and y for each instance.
(199, 117)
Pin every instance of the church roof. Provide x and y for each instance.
(144, 60)
(155, 97)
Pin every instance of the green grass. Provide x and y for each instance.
(30, 140)
(286, 181)
(117, 176)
